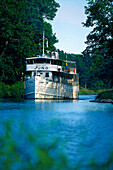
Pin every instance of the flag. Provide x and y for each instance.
(26, 62)
(66, 64)
(39, 44)
(66, 61)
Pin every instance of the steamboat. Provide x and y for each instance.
(48, 77)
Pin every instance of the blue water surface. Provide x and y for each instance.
(84, 129)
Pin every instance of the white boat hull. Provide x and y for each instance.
(40, 88)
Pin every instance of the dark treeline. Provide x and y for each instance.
(99, 43)
(21, 28)
(92, 70)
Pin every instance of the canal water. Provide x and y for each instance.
(83, 129)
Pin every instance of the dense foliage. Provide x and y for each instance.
(21, 26)
(95, 66)
(100, 40)
(94, 73)
(105, 95)
(100, 17)
(12, 91)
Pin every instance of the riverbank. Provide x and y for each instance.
(12, 91)
(84, 91)
(104, 97)
(16, 91)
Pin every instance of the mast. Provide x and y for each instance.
(43, 41)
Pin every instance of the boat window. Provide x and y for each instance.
(28, 74)
(38, 74)
(44, 60)
(35, 60)
(47, 61)
(59, 63)
(70, 76)
(47, 75)
(29, 61)
(54, 62)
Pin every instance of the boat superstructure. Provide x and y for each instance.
(48, 77)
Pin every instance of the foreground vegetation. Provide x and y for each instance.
(12, 91)
(22, 150)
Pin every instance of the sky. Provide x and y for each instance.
(68, 26)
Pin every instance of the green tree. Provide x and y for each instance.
(21, 26)
(100, 17)
(100, 40)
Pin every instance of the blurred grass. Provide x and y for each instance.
(84, 91)
(30, 152)
(34, 152)
(102, 92)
